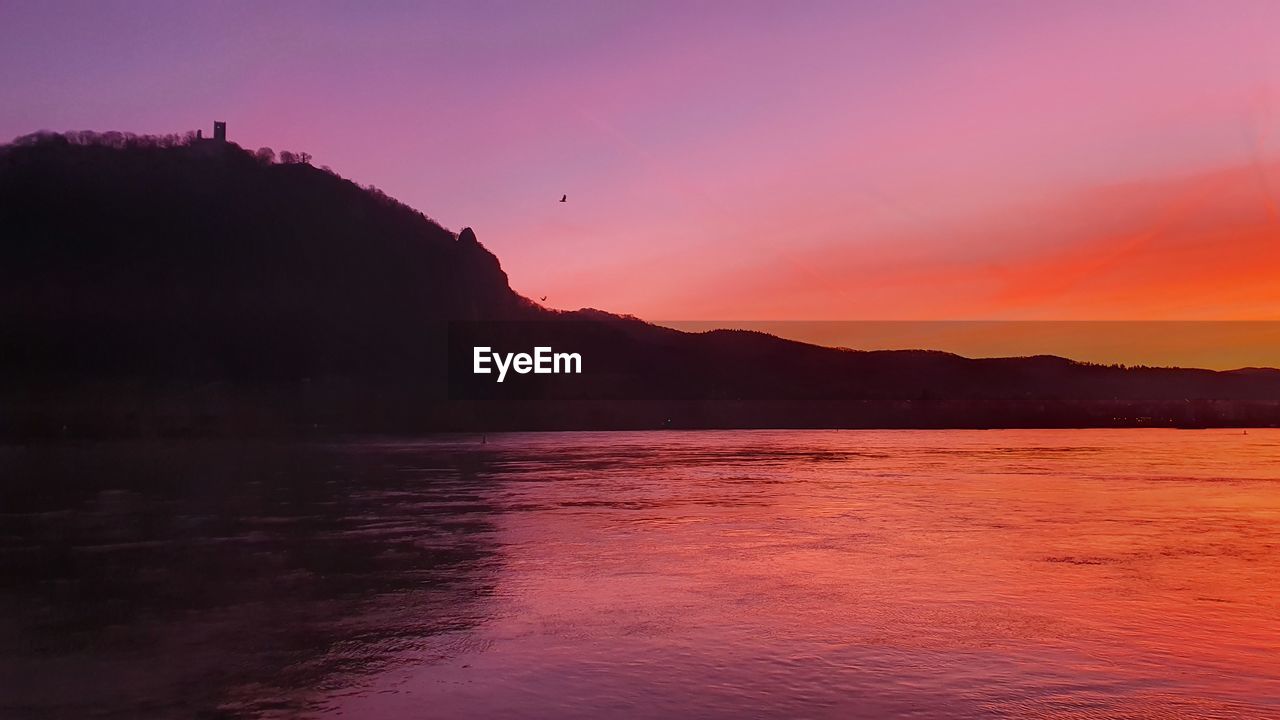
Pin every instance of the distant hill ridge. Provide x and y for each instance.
(182, 285)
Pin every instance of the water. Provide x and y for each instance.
(1027, 574)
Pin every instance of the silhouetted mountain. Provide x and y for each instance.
(200, 260)
(182, 285)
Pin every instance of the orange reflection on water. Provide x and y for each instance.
(1054, 574)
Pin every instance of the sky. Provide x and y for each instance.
(760, 161)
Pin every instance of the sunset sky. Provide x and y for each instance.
(744, 161)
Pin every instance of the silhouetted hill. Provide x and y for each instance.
(174, 285)
(199, 260)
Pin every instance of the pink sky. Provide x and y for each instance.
(1073, 160)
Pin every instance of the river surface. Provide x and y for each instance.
(789, 574)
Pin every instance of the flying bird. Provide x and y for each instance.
(543, 299)
(564, 198)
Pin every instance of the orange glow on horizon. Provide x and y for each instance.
(1204, 247)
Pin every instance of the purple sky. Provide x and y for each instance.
(736, 160)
